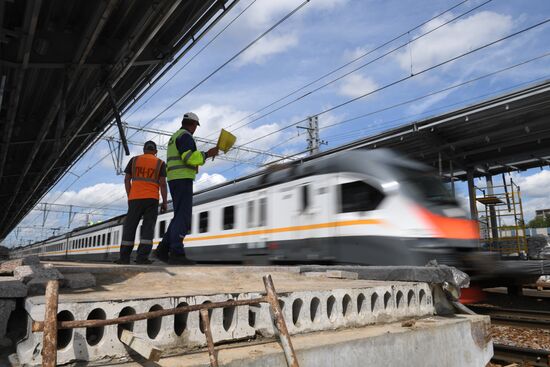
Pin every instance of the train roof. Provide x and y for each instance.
(379, 163)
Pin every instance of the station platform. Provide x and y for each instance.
(333, 318)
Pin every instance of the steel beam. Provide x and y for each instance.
(30, 23)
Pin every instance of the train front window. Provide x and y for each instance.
(429, 187)
(359, 197)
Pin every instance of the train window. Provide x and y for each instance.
(203, 222)
(250, 214)
(103, 239)
(263, 212)
(359, 197)
(162, 228)
(109, 239)
(229, 217)
(305, 197)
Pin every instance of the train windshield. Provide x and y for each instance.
(429, 187)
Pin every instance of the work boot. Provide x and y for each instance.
(161, 255)
(143, 262)
(125, 254)
(180, 260)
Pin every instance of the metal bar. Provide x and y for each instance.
(279, 322)
(472, 195)
(38, 326)
(209, 341)
(508, 353)
(49, 348)
(118, 120)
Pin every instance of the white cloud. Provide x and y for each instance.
(454, 38)
(107, 194)
(266, 47)
(266, 12)
(356, 85)
(206, 180)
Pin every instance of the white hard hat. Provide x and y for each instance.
(191, 116)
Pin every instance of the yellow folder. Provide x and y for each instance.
(226, 140)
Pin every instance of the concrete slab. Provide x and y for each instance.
(309, 305)
(435, 341)
(10, 287)
(127, 282)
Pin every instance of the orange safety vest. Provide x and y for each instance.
(145, 177)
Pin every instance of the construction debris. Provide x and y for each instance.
(78, 280)
(26, 273)
(140, 346)
(341, 274)
(8, 267)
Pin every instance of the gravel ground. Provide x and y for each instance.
(521, 337)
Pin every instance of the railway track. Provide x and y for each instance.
(534, 357)
(515, 317)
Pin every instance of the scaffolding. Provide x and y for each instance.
(502, 226)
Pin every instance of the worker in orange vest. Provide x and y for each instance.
(145, 175)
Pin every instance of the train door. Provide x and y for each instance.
(314, 230)
(257, 208)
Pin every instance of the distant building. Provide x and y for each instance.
(542, 213)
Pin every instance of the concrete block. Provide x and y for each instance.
(10, 287)
(304, 312)
(79, 280)
(6, 308)
(27, 272)
(37, 286)
(7, 267)
(342, 274)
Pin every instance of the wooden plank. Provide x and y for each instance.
(49, 341)
(140, 346)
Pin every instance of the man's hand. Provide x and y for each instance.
(163, 208)
(212, 152)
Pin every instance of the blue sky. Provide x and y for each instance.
(319, 38)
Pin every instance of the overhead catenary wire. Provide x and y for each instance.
(227, 62)
(401, 80)
(378, 58)
(191, 59)
(381, 46)
(252, 43)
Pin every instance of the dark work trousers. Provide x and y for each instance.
(138, 209)
(182, 200)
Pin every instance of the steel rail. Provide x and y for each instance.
(508, 353)
(515, 317)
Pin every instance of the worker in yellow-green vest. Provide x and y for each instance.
(182, 165)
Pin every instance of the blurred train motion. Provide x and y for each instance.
(354, 207)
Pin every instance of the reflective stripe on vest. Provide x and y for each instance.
(145, 177)
(176, 166)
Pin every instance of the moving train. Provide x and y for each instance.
(370, 207)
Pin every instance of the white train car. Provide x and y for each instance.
(357, 207)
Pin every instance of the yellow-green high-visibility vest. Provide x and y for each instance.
(185, 165)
